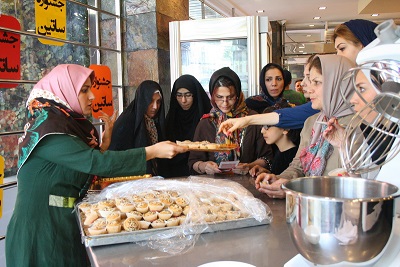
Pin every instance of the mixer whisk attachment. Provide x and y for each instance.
(378, 120)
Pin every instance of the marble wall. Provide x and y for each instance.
(145, 42)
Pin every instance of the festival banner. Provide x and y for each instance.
(10, 53)
(102, 90)
(51, 20)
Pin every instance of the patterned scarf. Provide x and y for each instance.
(314, 158)
(217, 117)
(151, 129)
(46, 117)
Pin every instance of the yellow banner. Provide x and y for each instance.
(51, 20)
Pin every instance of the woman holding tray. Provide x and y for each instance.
(58, 155)
(227, 101)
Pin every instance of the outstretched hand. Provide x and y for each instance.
(230, 125)
(165, 149)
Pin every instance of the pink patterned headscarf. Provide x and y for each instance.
(64, 82)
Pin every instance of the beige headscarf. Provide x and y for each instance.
(333, 104)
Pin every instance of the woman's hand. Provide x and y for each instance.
(334, 133)
(211, 167)
(230, 125)
(256, 170)
(108, 128)
(271, 185)
(166, 149)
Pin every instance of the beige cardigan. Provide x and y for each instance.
(295, 169)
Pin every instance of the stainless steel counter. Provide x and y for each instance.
(267, 245)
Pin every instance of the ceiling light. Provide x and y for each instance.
(260, 11)
(317, 17)
(311, 25)
(375, 15)
(322, 8)
(301, 51)
(308, 35)
(302, 46)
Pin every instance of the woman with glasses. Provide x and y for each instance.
(189, 102)
(227, 101)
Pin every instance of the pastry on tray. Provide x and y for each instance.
(158, 223)
(156, 205)
(165, 214)
(134, 214)
(131, 224)
(176, 210)
(150, 216)
(113, 227)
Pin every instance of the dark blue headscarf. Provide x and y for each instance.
(362, 29)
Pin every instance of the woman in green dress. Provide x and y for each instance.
(59, 155)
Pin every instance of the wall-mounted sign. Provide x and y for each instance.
(10, 53)
(51, 20)
(102, 90)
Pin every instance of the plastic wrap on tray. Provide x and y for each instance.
(182, 208)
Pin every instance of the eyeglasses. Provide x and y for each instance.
(220, 98)
(186, 95)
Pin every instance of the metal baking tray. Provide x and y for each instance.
(141, 235)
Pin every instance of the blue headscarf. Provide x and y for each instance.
(362, 29)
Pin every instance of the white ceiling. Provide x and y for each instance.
(297, 15)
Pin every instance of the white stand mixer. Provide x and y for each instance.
(385, 47)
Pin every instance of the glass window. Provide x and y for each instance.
(201, 59)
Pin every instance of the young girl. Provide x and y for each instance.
(286, 142)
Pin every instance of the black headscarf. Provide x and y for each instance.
(180, 123)
(264, 100)
(362, 29)
(130, 129)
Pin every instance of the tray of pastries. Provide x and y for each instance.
(206, 146)
(141, 215)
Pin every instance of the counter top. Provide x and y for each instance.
(262, 246)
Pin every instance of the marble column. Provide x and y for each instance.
(145, 42)
(277, 55)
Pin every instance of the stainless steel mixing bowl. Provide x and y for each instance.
(339, 219)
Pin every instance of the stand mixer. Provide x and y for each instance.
(380, 62)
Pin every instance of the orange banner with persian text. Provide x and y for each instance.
(102, 90)
(51, 20)
(10, 52)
